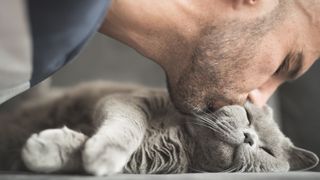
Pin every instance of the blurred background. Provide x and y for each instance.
(296, 104)
(107, 59)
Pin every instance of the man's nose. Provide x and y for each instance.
(261, 95)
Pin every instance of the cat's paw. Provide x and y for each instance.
(101, 158)
(51, 150)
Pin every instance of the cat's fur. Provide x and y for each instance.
(101, 129)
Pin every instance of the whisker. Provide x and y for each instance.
(224, 127)
(210, 114)
(217, 130)
(207, 118)
(200, 124)
(221, 127)
(213, 126)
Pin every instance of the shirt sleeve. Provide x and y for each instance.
(38, 37)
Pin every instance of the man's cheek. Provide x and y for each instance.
(188, 99)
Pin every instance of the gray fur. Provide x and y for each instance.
(102, 128)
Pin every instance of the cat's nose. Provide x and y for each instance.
(248, 139)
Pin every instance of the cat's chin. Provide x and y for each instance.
(214, 157)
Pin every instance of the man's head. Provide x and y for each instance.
(220, 52)
(238, 59)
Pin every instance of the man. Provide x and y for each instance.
(214, 52)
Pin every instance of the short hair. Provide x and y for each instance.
(237, 38)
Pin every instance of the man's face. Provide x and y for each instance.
(240, 60)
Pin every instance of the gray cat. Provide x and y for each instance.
(102, 129)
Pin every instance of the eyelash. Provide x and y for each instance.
(284, 67)
(267, 151)
(249, 118)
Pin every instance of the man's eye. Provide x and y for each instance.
(283, 68)
(291, 66)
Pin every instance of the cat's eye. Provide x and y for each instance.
(249, 117)
(267, 150)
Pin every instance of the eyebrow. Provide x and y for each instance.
(291, 65)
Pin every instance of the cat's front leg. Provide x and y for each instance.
(54, 150)
(121, 123)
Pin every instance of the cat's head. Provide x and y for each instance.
(236, 138)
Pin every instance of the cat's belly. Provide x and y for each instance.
(162, 151)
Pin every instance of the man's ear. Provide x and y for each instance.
(243, 3)
(250, 2)
(301, 159)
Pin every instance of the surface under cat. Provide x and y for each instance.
(103, 128)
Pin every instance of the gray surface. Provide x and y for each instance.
(211, 176)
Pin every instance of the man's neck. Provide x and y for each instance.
(147, 27)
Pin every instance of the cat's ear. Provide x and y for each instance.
(301, 159)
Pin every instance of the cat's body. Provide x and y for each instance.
(103, 128)
(78, 109)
